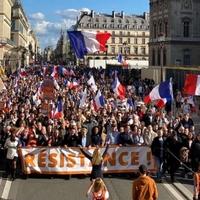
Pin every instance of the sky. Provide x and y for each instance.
(48, 17)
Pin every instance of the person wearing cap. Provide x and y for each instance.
(144, 187)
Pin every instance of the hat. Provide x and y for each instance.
(143, 169)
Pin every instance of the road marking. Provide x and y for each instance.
(173, 191)
(6, 189)
(187, 193)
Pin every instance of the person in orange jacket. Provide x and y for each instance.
(144, 187)
(197, 184)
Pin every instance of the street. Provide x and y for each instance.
(59, 188)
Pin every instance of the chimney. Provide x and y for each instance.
(113, 14)
(122, 14)
(92, 13)
(146, 16)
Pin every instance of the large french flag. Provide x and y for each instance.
(58, 114)
(118, 89)
(192, 84)
(162, 93)
(84, 42)
(99, 101)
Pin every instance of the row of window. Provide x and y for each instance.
(17, 26)
(117, 21)
(114, 58)
(127, 41)
(128, 50)
(161, 28)
(129, 33)
(114, 26)
(156, 59)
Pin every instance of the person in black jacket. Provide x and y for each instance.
(195, 152)
(97, 161)
(96, 136)
(173, 144)
(157, 149)
(124, 138)
(72, 139)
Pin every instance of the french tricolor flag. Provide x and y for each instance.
(58, 114)
(55, 72)
(119, 89)
(84, 42)
(192, 85)
(162, 93)
(120, 58)
(74, 84)
(67, 83)
(99, 101)
(64, 71)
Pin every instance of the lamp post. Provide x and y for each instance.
(125, 45)
(125, 64)
(161, 40)
(106, 55)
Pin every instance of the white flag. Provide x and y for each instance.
(92, 84)
(83, 99)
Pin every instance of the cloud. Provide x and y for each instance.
(48, 31)
(71, 13)
(37, 16)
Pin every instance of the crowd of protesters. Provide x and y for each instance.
(120, 121)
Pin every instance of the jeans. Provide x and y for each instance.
(159, 164)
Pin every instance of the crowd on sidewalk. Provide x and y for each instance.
(85, 109)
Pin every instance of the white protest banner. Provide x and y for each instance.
(71, 161)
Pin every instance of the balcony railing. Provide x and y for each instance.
(5, 41)
(10, 42)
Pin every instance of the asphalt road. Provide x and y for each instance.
(59, 188)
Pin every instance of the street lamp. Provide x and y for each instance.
(125, 45)
(161, 40)
(106, 54)
(125, 64)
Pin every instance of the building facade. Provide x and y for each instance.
(62, 51)
(15, 36)
(5, 28)
(174, 33)
(48, 54)
(129, 34)
(19, 33)
(33, 47)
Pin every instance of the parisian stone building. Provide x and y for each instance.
(18, 42)
(129, 34)
(174, 33)
(62, 51)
